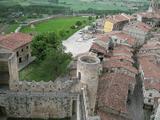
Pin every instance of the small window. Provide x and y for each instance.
(22, 50)
(149, 100)
(20, 60)
(17, 54)
(150, 94)
(27, 47)
(79, 75)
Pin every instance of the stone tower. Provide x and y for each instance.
(154, 6)
(88, 71)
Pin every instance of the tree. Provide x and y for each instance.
(42, 42)
(62, 33)
(90, 18)
(54, 65)
(78, 23)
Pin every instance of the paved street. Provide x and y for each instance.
(76, 45)
(136, 106)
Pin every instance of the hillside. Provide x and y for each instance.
(77, 5)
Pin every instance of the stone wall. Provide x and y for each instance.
(41, 86)
(38, 105)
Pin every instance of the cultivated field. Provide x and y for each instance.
(56, 25)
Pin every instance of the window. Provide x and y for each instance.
(79, 75)
(20, 60)
(17, 53)
(22, 50)
(150, 94)
(149, 100)
(27, 47)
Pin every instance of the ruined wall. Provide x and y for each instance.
(38, 105)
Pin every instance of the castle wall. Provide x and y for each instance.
(38, 105)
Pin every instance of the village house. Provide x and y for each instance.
(18, 43)
(149, 56)
(150, 18)
(117, 22)
(150, 73)
(116, 84)
(138, 30)
(113, 92)
(101, 44)
(151, 48)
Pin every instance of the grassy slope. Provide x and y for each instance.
(75, 4)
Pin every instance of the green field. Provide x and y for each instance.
(56, 25)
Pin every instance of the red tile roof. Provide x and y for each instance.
(105, 37)
(108, 116)
(152, 45)
(122, 50)
(113, 91)
(151, 70)
(119, 35)
(130, 40)
(15, 40)
(120, 64)
(152, 85)
(122, 58)
(138, 25)
(119, 18)
(98, 48)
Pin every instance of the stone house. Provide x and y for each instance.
(117, 22)
(138, 30)
(18, 43)
(150, 73)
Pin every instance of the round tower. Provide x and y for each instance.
(88, 71)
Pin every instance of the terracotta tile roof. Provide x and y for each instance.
(119, 18)
(151, 70)
(98, 48)
(120, 35)
(152, 45)
(108, 116)
(122, 50)
(138, 25)
(122, 58)
(113, 91)
(15, 40)
(119, 64)
(130, 40)
(152, 85)
(105, 37)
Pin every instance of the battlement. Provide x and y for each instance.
(41, 86)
